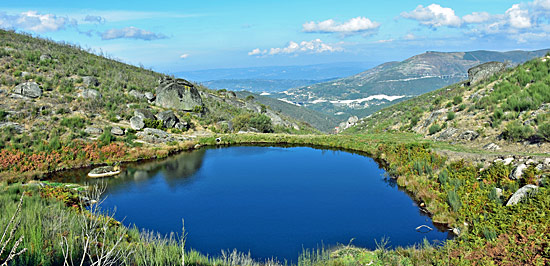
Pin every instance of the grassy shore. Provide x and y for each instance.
(455, 193)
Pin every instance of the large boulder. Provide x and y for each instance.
(136, 94)
(484, 71)
(145, 114)
(136, 123)
(149, 96)
(520, 194)
(153, 135)
(117, 131)
(93, 130)
(518, 172)
(468, 135)
(90, 81)
(177, 94)
(168, 118)
(90, 94)
(28, 89)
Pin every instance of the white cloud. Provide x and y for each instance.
(544, 4)
(434, 15)
(34, 21)
(354, 25)
(94, 19)
(518, 17)
(184, 56)
(476, 17)
(312, 47)
(131, 33)
(385, 41)
(409, 37)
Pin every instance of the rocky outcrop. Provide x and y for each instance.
(352, 121)
(183, 126)
(177, 94)
(28, 89)
(93, 130)
(491, 147)
(18, 128)
(518, 172)
(484, 71)
(521, 193)
(90, 94)
(468, 135)
(153, 135)
(136, 123)
(168, 118)
(90, 81)
(45, 57)
(149, 96)
(136, 94)
(117, 131)
(145, 114)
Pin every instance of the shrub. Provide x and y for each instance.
(544, 131)
(450, 115)
(434, 129)
(443, 177)
(153, 123)
(454, 200)
(106, 137)
(457, 100)
(516, 132)
(73, 122)
(260, 122)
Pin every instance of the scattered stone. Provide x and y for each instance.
(484, 71)
(90, 94)
(117, 131)
(136, 94)
(153, 135)
(177, 94)
(168, 118)
(136, 123)
(530, 161)
(90, 81)
(28, 89)
(93, 130)
(145, 114)
(547, 161)
(24, 74)
(540, 167)
(18, 128)
(183, 126)
(508, 161)
(491, 147)
(45, 57)
(498, 191)
(149, 96)
(468, 135)
(521, 193)
(447, 133)
(518, 172)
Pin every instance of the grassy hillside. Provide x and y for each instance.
(511, 110)
(318, 120)
(414, 76)
(84, 96)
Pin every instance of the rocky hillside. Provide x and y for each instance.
(53, 94)
(506, 111)
(386, 84)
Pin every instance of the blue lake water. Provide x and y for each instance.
(271, 201)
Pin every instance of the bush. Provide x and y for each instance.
(516, 132)
(544, 131)
(153, 123)
(457, 100)
(454, 200)
(73, 122)
(106, 137)
(450, 115)
(434, 129)
(260, 122)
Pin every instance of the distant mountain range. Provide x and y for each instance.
(272, 78)
(388, 83)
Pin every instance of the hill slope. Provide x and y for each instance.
(54, 95)
(414, 76)
(509, 112)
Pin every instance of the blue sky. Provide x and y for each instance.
(171, 36)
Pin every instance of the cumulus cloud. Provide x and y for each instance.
(434, 15)
(184, 56)
(476, 17)
(354, 25)
(518, 17)
(94, 19)
(131, 33)
(34, 21)
(312, 47)
(544, 4)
